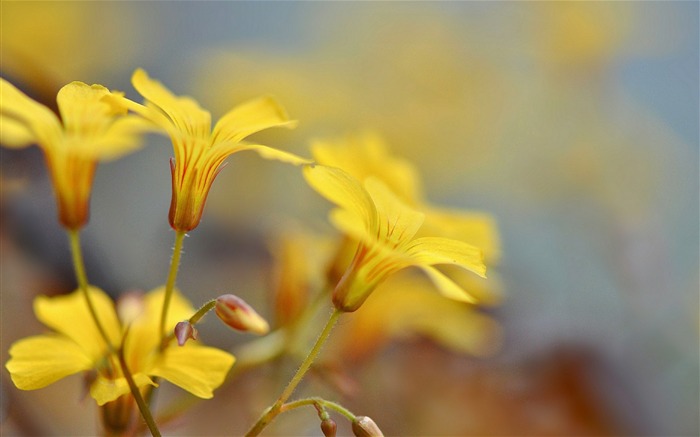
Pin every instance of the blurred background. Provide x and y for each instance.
(574, 124)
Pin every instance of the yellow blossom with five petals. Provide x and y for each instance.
(385, 229)
(76, 346)
(199, 150)
(92, 127)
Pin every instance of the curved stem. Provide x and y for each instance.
(83, 285)
(170, 284)
(275, 409)
(319, 401)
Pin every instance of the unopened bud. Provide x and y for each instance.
(184, 331)
(237, 314)
(329, 427)
(363, 426)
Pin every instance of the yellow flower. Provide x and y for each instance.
(200, 151)
(366, 154)
(77, 346)
(91, 128)
(386, 229)
(403, 306)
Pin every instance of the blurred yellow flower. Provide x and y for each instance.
(404, 307)
(581, 36)
(386, 229)
(77, 346)
(299, 271)
(200, 151)
(91, 128)
(367, 154)
(44, 44)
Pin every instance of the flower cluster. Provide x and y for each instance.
(127, 347)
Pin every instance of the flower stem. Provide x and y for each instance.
(321, 402)
(143, 406)
(276, 408)
(170, 284)
(81, 277)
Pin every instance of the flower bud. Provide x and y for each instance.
(329, 427)
(363, 426)
(237, 314)
(185, 330)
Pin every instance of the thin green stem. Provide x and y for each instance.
(83, 285)
(321, 402)
(275, 409)
(297, 327)
(143, 406)
(170, 284)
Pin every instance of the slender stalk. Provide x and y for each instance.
(321, 402)
(275, 409)
(83, 285)
(169, 287)
(143, 407)
(170, 284)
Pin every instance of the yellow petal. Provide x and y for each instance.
(123, 136)
(96, 122)
(250, 117)
(105, 390)
(223, 150)
(475, 228)
(197, 369)
(436, 250)
(143, 338)
(179, 309)
(397, 222)
(447, 287)
(69, 315)
(343, 190)
(454, 325)
(489, 292)
(348, 223)
(38, 119)
(154, 115)
(366, 154)
(82, 109)
(44, 359)
(184, 112)
(15, 134)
